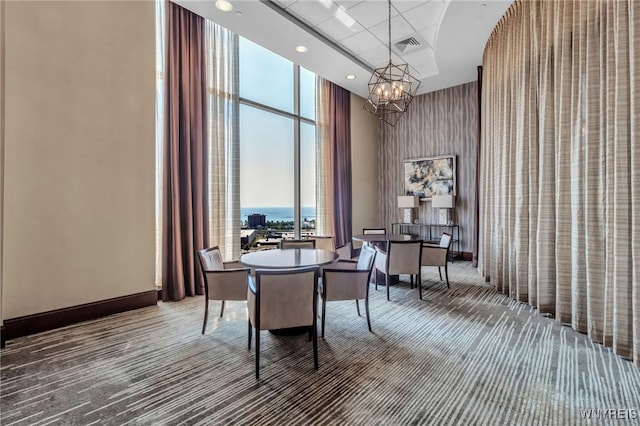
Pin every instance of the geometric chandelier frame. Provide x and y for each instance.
(391, 89)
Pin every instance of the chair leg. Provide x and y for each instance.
(386, 282)
(411, 278)
(257, 354)
(314, 331)
(222, 309)
(324, 310)
(358, 307)
(249, 334)
(446, 274)
(420, 285)
(366, 308)
(375, 277)
(206, 314)
(440, 272)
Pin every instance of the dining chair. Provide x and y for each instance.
(223, 280)
(345, 252)
(348, 280)
(436, 255)
(376, 231)
(401, 257)
(297, 244)
(280, 299)
(323, 242)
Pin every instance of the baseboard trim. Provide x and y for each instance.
(30, 324)
(466, 255)
(463, 255)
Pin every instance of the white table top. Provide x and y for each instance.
(288, 258)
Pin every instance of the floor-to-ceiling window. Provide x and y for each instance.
(277, 146)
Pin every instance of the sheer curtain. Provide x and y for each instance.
(160, 58)
(223, 139)
(184, 186)
(324, 177)
(560, 160)
(333, 156)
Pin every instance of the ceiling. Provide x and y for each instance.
(441, 40)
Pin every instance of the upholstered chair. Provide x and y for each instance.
(376, 231)
(281, 299)
(345, 252)
(297, 244)
(323, 242)
(401, 257)
(348, 280)
(437, 255)
(223, 280)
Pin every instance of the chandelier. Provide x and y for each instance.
(391, 89)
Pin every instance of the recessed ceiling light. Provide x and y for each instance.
(224, 5)
(350, 77)
(301, 49)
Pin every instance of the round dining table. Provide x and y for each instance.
(288, 258)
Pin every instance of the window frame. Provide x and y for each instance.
(297, 119)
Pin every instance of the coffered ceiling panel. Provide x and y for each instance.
(441, 40)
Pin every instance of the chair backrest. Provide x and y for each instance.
(323, 242)
(345, 252)
(297, 244)
(366, 258)
(221, 283)
(445, 240)
(286, 297)
(434, 255)
(210, 259)
(374, 230)
(350, 284)
(403, 257)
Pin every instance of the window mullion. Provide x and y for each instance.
(297, 223)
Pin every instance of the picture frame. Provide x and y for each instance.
(430, 176)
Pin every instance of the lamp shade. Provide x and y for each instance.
(442, 201)
(407, 201)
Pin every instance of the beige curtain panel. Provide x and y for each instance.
(324, 177)
(223, 139)
(560, 165)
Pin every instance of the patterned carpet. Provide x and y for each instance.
(462, 356)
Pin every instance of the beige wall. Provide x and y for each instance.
(364, 166)
(79, 154)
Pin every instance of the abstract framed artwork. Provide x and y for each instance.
(430, 176)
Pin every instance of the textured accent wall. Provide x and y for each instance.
(437, 123)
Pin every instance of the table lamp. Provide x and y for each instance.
(408, 203)
(444, 203)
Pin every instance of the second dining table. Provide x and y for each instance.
(383, 238)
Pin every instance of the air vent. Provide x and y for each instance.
(402, 45)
